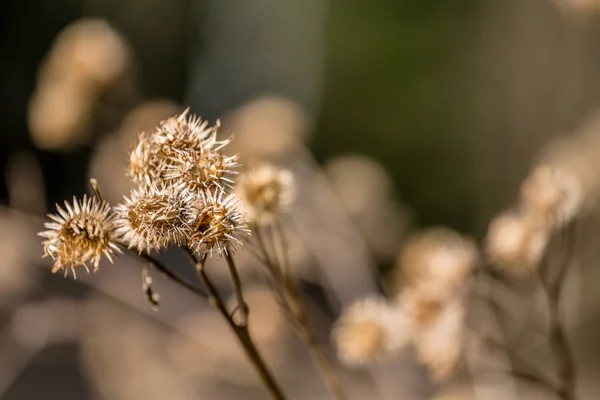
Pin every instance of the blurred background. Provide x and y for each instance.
(393, 115)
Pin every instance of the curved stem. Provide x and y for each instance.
(167, 272)
(559, 342)
(241, 331)
(237, 287)
(297, 312)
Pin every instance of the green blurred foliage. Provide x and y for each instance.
(397, 88)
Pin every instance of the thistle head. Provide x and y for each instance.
(185, 150)
(220, 224)
(155, 216)
(79, 234)
(267, 191)
(370, 330)
(437, 262)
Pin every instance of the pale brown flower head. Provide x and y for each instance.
(153, 217)
(437, 262)
(91, 50)
(220, 225)
(267, 191)
(370, 330)
(516, 242)
(80, 234)
(182, 150)
(554, 193)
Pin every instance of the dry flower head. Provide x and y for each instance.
(370, 330)
(516, 242)
(182, 149)
(80, 234)
(437, 262)
(153, 217)
(267, 191)
(220, 225)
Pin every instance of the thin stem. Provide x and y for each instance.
(167, 272)
(559, 342)
(237, 287)
(241, 331)
(300, 316)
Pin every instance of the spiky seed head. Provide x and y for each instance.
(220, 225)
(182, 149)
(156, 216)
(267, 191)
(79, 234)
(370, 330)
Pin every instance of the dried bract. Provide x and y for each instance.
(220, 225)
(79, 234)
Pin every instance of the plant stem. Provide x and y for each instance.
(241, 331)
(559, 342)
(168, 273)
(237, 287)
(297, 311)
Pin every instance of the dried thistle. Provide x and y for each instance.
(370, 330)
(437, 262)
(516, 242)
(267, 191)
(555, 194)
(182, 150)
(153, 217)
(220, 225)
(81, 234)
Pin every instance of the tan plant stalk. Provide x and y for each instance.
(558, 339)
(239, 329)
(291, 302)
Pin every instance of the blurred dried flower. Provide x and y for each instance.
(59, 113)
(439, 345)
(516, 242)
(437, 262)
(81, 234)
(370, 330)
(220, 225)
(155, 216)
(271, 125)
(267, 191)
(554, 193)
(91, 50)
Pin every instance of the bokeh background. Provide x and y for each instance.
(394, 114)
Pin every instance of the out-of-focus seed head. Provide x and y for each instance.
(370, 330)
(183, 150)
(437, 262)
(80, 234)
(516, 242)
(154, 217)
(554, 193)
(220, 225)
(267, 191)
